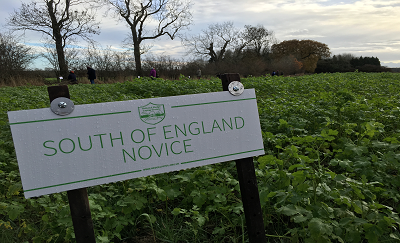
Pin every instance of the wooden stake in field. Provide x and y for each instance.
(78, 198)
(248, 185)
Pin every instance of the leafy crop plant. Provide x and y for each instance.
(330, 172)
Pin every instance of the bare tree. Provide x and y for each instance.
(151, 19)
(107, 59)
(214, 41)
(61, 20)
(14, 57)
(108, 62)
(166, 66)
(50, 54)
(258, 39)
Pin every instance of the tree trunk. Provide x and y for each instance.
(56, 26)
(136, 52)
(61, 57)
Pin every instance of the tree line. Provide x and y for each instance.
(220, 48)
(349, 63)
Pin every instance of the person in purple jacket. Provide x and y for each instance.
(153, 73)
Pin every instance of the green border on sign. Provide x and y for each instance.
(72, 117)
(131, 172)
(215, 102)
(122, 112)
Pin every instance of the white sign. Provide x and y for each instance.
(108, 142)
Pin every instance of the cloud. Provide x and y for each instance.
(301, 34)
(394, 64)
(361, 27)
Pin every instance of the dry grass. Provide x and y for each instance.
(22, 81)
(36, 80)
(40, 81)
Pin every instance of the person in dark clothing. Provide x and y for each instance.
(91, 74)
(72, 78)
(198, 73)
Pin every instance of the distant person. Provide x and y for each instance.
(91, 74)
(198, 73)
(153, 73)
(72, 77)
(176, 74)
(277, 73)
(273, 73)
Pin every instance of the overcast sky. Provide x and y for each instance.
(362, 28)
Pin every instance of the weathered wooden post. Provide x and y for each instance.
(248, 185)
(78, 198)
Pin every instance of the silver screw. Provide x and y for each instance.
(236, 88)
(62, 104)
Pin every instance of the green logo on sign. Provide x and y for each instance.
(152, 113)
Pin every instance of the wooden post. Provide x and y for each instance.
(248, 185)
(78, 198)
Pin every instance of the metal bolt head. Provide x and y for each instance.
(62, 104)
(235, 88)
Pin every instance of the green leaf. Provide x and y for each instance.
(358, 192)
(299, 177)
(329, 135)
(332, 174)
(389, 221)
(268, 160)
(218, 230)
(358, 150)
(45, 218)
(152, 219)
(394, 236)
(372, 232)
(345, 221)
(299, 218)
(353, 236)
(310, 240)
(14, 211)
(173, 192)
(318, 228)
(176, 211)
(357, 208)
(149, 217)
(303, 187)
(340, 177)
(200, 220)
(288, 210)
(14, 189)
(103, 239)
(292, 167)
(200, 200)
(359, 221)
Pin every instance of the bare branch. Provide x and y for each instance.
(214, 41)
(57, 20)
(151, 19)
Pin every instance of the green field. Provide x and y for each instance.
(330, 173)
